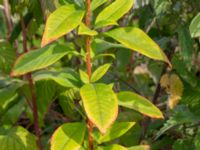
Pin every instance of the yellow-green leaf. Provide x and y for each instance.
(83, 76)
(68, 137)
(137, 40)
(100, 103)
(174, 87)
(195, 26)
(38, 59)
(84, 30)
(17, 138)
(112, 147)
(96, 3)
(100, 72)
(134, 101)
(62, 21)
(115, 131)
(140, 147)
(112, 13)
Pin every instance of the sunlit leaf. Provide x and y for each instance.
(84, 30)
(100, 103)
(195, 26)
(68, 136)
(100, 72)
(135, 39)
(96, 3)
(83, 76)
(141, 147)
(139, 103)
(62, 21)
(112, 147)
(38, 59)
(113, 12)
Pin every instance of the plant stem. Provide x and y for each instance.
(88, 57)
(35, 111)
(32, 89)
(89, 69)
(7, 15)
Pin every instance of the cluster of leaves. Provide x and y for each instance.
(111, 98)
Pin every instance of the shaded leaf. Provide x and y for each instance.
(7, 57)
(115, 131)
(186, 44)
(174, 88)
(64, 77)
(17, 138)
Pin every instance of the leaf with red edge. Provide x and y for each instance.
(100, 103)
(134, 101)
(62, 21)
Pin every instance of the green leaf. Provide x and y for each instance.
(100, 72)
(112, 13)
(186, 44)
(7, 96)
(12, 115)
(103, 55)
(100, 45)
(106, 23)
(61, 21)
(68, 136)
(7, 57)
(184, 144)
(84, 30)
(195, 26)
(197, 141)
(46, 91)
(115, 131)
(137, 40)
(139, 103)
(65, 77)
(96, 3)
(112, 147)
(141, 147)
(100, 103)
(17, 138)
(39, 59)
(84, 76)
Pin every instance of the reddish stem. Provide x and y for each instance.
(32, 89)
(88, 57)
(89, 69)
(35, 111)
